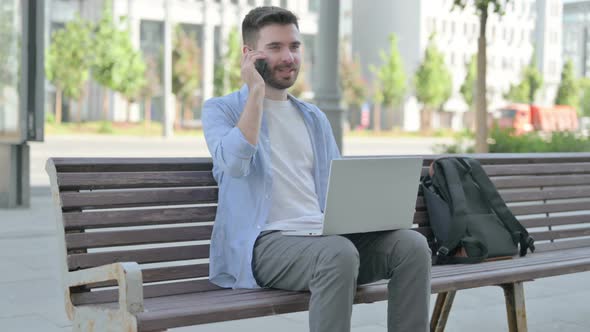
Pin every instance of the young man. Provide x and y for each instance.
(271, 154)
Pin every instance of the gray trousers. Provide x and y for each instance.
(331, 267)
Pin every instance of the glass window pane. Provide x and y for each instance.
(10, 59)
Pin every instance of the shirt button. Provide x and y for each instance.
(258, 226)
(267, 196)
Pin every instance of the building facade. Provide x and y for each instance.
(208, 21)
(576, 35)
(511, 39)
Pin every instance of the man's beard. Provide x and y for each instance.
(277, 82)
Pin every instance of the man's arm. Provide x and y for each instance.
(232, 145)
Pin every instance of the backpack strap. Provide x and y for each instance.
(469, 243)
(518, 232)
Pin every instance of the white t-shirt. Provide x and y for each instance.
(294, 202)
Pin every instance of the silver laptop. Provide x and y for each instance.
(369, 195)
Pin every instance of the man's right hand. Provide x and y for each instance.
(250, 75)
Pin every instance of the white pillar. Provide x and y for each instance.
(168, 118)
(327, 94)
(207, 47)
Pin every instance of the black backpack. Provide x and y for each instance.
(469, 219)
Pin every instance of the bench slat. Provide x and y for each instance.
(154, 290)
(553, 193)
(138, 236)
(89, 165)
(560, 234)
(562, 245)
(136, 198)
(550, 207)
(556, 221)
(103, 219)
(151, 255)
(157, 274)
(541, 181)
(538, 169)
(114, 180)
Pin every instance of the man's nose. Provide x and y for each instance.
(287, 56)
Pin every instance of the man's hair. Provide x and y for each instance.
(260, 17)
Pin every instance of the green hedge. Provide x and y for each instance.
(503, 141)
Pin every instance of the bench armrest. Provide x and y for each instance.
(128, 277)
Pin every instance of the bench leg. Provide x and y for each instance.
(442, 308)
(515, 307)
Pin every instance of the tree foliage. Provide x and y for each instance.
(67, 61)
(468, 88)
(527, 88)
(352, 83)
(117, 64)
(391, 76)
(568, 91)
(433, 80)
(186, 66)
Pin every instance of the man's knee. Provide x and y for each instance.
(341, 255)
(412, 244)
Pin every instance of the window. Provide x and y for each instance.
(268, 2)
(284, 3)
(252, 3)
(10, 55)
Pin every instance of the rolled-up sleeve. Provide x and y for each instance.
(227, 145)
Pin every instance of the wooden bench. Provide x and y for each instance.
(134, 241)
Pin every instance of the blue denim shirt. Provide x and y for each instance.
(244, 175)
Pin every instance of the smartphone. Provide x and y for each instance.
(260, 66)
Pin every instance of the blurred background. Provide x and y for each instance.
(380, 68)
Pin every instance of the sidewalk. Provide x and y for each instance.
(32, 300)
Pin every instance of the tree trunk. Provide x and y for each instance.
(127, 111)
(426, 119)
(105, 104)
(79, 110)
(148, 112)
(481, 113)
(58, 95)
(377, 118)
(188, 112)
(177, 118)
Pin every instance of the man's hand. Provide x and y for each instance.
(250, 75)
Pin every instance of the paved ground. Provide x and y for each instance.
(31, 298)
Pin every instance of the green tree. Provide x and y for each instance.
(117, 65)
(353, 85)
(518, 93)
(186, 72)
(482, 10)
(391, 82)
(568, 91)
(233, 59)
(227, 72)
(531, 82)
(533, 77)
(434, 83)
(132, 73)
(584, 106)
(152, 87)
(67, 62)
(468, 88)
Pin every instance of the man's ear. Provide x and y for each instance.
(246, 49)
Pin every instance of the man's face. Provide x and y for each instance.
(282, 47)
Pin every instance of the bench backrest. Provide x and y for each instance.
(159, 212)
